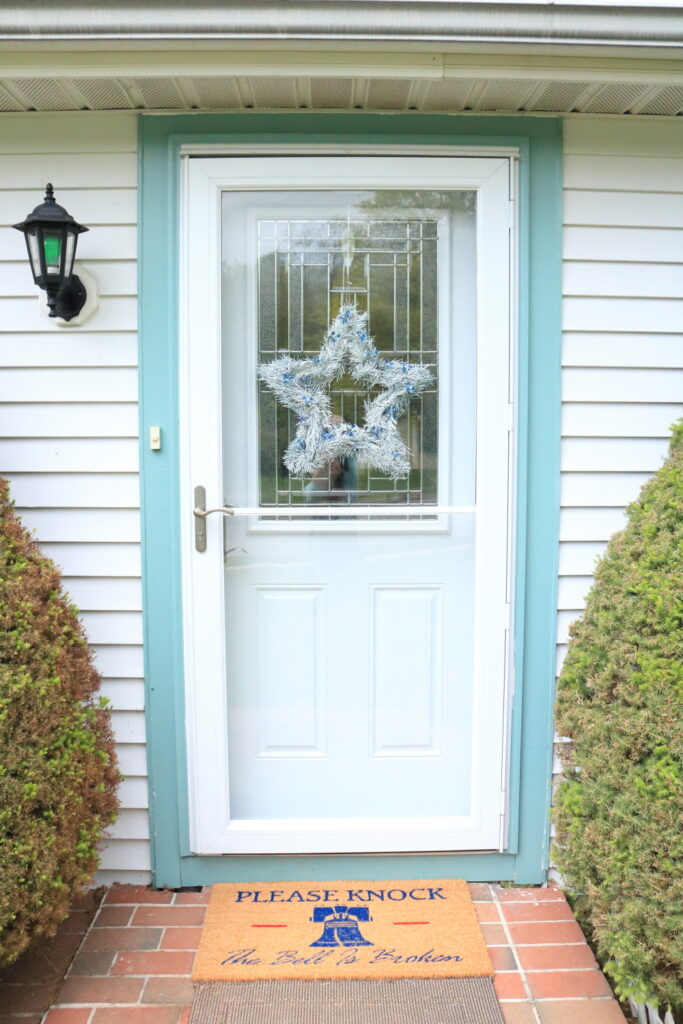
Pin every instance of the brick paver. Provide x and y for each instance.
(134, 966)
(519, 1013)
(68, 1016)
(29, 986)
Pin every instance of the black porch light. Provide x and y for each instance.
(51, 236)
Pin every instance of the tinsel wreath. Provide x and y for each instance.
(303, 386)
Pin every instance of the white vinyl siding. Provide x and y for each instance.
(622, 322)
(622, 347)
(68, 418)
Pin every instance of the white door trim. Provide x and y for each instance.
(211, 829)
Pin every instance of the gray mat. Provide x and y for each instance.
(409, 1001)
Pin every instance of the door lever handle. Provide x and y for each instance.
(200, 512)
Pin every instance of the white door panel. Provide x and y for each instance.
(346, 674)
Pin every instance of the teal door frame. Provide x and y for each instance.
(538, 141)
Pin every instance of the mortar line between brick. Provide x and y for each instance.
(522, 974)
(155, 975)
(562, 970)
(577, 999)
(96, 1006)
(544, 945)
(538, 970)
(530, 903)
(122, 927)
(554, 920)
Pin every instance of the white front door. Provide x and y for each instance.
(346, 631)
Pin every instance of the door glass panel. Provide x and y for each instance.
(349, 641)
(392, 254)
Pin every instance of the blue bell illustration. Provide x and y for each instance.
(341, 926)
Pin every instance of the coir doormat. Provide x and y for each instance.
(336, 930)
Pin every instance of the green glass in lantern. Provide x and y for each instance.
(52, 247)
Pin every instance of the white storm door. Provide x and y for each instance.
(346, 633)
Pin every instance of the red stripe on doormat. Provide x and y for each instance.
(412, 922)
(269, 926)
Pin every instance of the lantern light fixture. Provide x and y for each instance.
(51, 235)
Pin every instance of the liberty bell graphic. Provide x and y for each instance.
(341, 926)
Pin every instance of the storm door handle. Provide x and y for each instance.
(200, 512)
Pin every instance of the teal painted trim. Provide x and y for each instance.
(538, 501)
(162, 609)
(539, 141)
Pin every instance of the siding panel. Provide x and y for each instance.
(113, 627)
(19, 315)
(597, 419)
(593, 170)
(623, 318)
(133, 793)
(630, 245)
(590, 524)
(115, 348)
(110, 242)
(95, 559)
(126, 694)
(71, 133)
(68, 417)
(69, 384)
(625, 350)
(66, 455)
(114, 278)
(94, 595)
(75, 490)
(623, 209)
(22, 171)
(100, 525)
(623, 385)
(641, 280)
(95, 207)
(622, 314)
(581, 454)
(74, 419)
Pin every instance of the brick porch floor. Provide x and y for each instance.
(134, 964)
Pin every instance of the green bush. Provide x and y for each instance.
(58, 772)
(619, 812)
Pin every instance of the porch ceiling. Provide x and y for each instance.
(396, 82)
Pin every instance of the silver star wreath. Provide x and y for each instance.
(303, 386)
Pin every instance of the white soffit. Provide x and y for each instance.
(337, 80)
(272, 92)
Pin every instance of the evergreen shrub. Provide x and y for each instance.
(58, 771)
(619, 811)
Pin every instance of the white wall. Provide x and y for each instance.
(68, 418)
(623, 324)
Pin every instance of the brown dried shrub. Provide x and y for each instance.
(58, 773)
